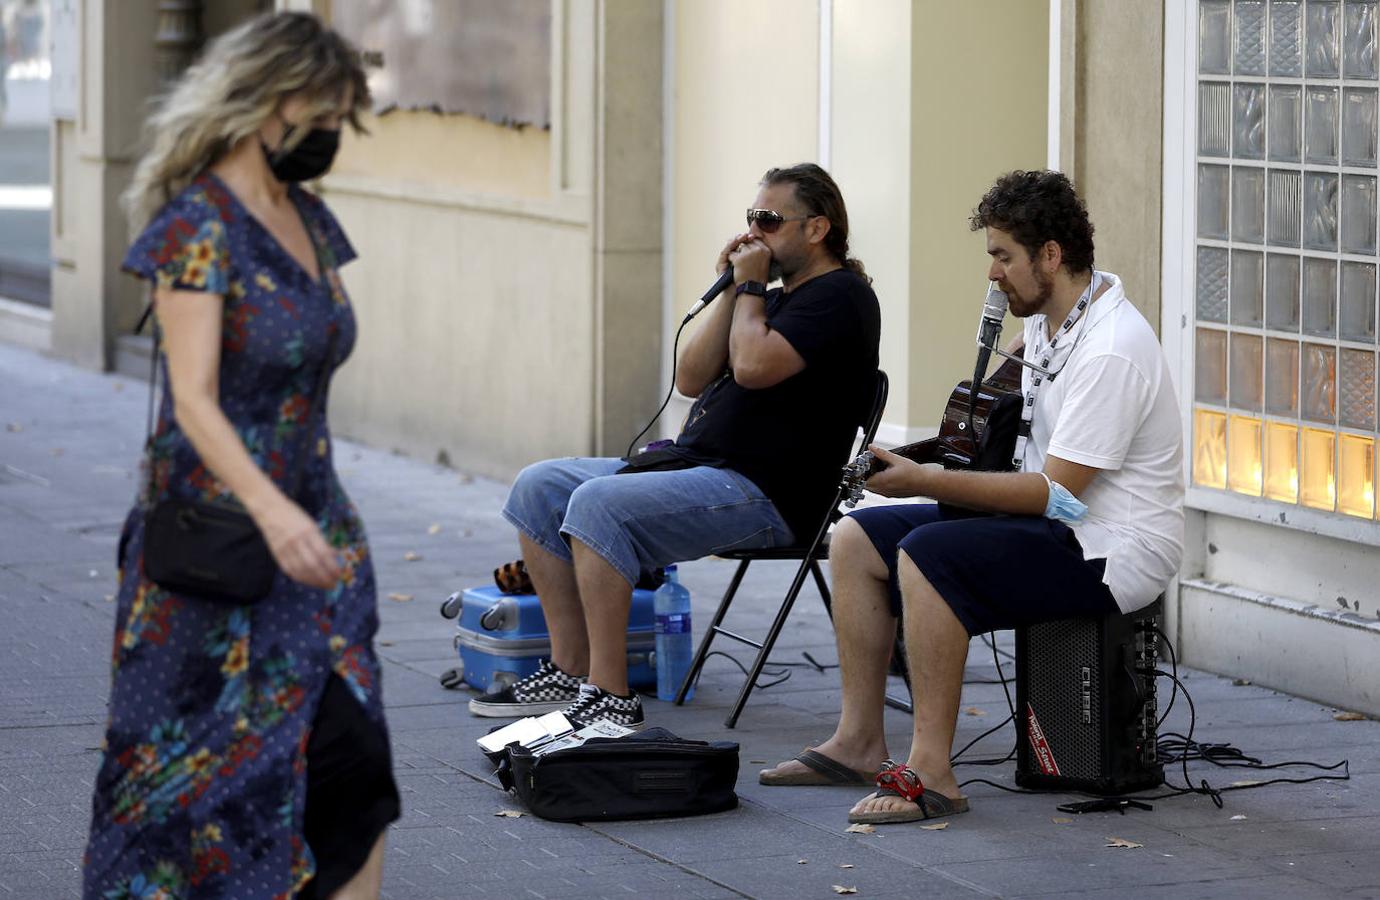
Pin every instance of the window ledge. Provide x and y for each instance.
(1299, 518)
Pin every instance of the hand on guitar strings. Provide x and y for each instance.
(897, 476)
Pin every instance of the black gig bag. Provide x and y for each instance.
(650, 775)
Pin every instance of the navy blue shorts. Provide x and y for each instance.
(995, 572)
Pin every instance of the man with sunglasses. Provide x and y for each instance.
(782, 379)
(1090, 525)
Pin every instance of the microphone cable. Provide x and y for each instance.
(675, 345)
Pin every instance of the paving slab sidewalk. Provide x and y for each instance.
(69, 444)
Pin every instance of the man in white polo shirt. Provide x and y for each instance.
(1089, 525)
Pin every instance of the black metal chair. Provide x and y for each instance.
(809, 556)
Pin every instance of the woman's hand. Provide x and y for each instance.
(901, 477)
(299, 547)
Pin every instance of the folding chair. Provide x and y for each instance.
(809, 556)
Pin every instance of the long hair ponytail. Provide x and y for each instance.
(820, 195)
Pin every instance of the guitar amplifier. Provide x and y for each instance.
(1086, 704)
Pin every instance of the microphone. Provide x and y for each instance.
(718, 288)
(989, 330)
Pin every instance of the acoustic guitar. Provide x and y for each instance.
(996, 415)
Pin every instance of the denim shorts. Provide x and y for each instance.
(641, 520)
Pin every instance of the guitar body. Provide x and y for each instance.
(956, 447)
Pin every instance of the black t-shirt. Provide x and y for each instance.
(792, 438)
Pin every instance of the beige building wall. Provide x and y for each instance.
(509, 279)
(745, 97)
(870, 149)
(473, 293)
(979, 90)
(1111, 122)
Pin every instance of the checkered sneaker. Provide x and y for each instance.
(549, 689)
(598, 705)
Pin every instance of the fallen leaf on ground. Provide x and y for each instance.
(840, 889)
(1122, 842)
(1060, 820)
(974, 711)
(434, 529)
(1349, 717)
(859, 829)
(1240, 682)
(385, 643)
(412, 556)
(1247, 783)
(937, 826)
(845, 865)
(401, 598)
(1237, 818)
(510, 813)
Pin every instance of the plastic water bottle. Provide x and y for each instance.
(671, 603)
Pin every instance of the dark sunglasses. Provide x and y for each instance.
(769, 220)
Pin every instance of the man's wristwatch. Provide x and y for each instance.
(751, 287)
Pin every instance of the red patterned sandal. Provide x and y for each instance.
(899, 780)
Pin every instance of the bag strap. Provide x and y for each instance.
(318, 390)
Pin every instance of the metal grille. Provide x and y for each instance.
(1061, 677)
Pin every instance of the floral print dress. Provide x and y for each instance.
(201, 791)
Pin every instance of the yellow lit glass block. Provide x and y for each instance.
(1209, 448)
(1243, 466)
(1282, 462)
(1356, 468)
(1319, 485)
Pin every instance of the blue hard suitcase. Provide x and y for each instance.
(502, 637)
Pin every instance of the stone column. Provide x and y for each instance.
(627, 221)
(93, 156)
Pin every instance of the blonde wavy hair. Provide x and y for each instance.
(231, 90)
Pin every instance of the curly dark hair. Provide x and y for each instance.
(1036, 207)
(819, 195)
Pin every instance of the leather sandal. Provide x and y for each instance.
(819, 770)
(899, 780)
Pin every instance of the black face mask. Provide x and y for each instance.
(309, 159)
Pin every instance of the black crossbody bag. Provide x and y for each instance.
(211, 548)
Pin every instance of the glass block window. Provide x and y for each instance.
(1286, 252)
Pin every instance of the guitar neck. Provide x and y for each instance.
(926, 451)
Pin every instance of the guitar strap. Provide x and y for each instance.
(1045, 354)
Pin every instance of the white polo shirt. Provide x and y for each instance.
(1112, 407)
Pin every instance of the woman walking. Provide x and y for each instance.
(246, 753)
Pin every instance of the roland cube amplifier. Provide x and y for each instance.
(1085, 704)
